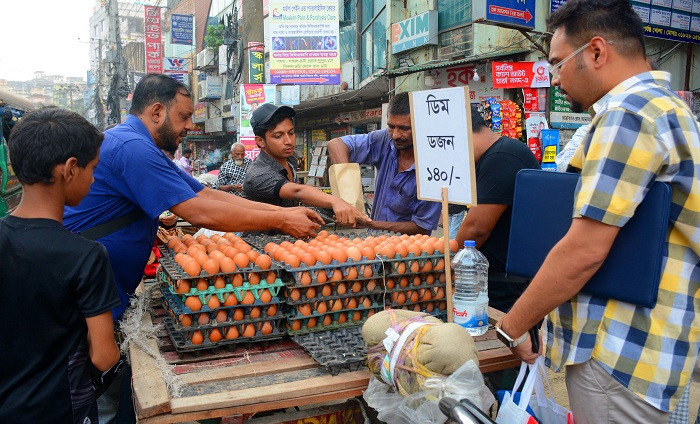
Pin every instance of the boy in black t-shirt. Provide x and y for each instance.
(57, 287)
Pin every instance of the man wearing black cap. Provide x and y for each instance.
(271, 177)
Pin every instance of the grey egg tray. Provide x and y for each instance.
(336, 350)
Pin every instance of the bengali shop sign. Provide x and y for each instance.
(154, 56)
(508, 13)
(181, 29)
(256, 63)
(561, 116)
(304, 42)
(459, 76)
(520, 74)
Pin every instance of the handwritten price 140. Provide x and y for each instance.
(437, 174)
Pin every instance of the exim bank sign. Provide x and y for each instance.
(417, 31)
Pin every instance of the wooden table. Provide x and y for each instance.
(255, 380)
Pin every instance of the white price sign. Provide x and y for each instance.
(442, 143)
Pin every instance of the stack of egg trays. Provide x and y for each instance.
(181, 335)
(336, 350)
(412, 264)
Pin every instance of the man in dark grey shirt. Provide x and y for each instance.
(271, 178)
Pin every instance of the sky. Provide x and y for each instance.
(44, 35)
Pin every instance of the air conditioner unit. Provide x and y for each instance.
(210, 88)
(206, 58)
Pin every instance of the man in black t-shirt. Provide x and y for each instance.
(56, 320)
(498, 160)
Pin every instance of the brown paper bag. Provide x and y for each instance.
(346, 183)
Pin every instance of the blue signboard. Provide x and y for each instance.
(508, 13)
(181, 29)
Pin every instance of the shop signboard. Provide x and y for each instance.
(507, 13)
(256, 63)
(181, 29)
(416, 31)
(460, 76)
(303, 40)
(152, 31)
(252, 96)
(200, 112)
(561, 116)
(176, 64)
(442, 144)
(251, 148)
(520, 74)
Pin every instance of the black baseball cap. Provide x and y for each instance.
(266, 111)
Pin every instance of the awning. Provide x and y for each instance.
(444, 64)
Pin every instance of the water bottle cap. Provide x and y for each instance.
(469, 243)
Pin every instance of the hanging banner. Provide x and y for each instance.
(561, 116)
(256, 61)
(304, 42)
(154, 57)
(181, 29)
(520, 74)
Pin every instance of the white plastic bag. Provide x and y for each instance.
(422, 406)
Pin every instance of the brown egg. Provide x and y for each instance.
(326, 290)
(403, 282)
(342, 318)
(415, 249)
(202, 284)
(453, 246)
(370, 313)
(367, 271)
(193, 303)
(230, 299)
(241, 260)
(293, 261)
(337, 276)
(327, 320)
(264, 262)
(304, 309)
(252, 255)
(238, 314)
(182, 286)
(417, 281)
(308, 259)
(354, 253)
(211, 247)
(214, 302)
(203, 319)
(341, 288)
(441, 277)
(217, 255)
(413, 296)
(398, 297)
(249, 331)
(440, 265)
(255, 312)
(243, 247)
(266, 328)
(231, 252)
(352, 303)
(371, 285)
(390, 283)
(440, 293)
(296, 324)
(227, 265)
(232, 333)
(187, 239)
(356, 287)
(192, 250)
(356, 316)
(440, 246)
(305, 279)
(271, 278)
(368, 252)
(324, 257)
(427, 266)
(366, 303)
(237, 280)
(172, 241)
(253, 278)
(192, 268)
(401, 250)
(221, 315)
(219, 282)
(321, 307)
(415, 267)
(311, 323)
(197, 337)
(322, 277)
(295, 294)
(265, 296)
(429, 279)
(310, 293)
(339, 254)
(215, 335)
(428, 247)
(248, 298)
(271, 311)
(210, 266)
(185, 320)
(352, 274)
(336, 305)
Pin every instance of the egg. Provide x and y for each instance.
(453, 245)
(352, 303)
(192, 268)
(341, 289)
(401, 250)
(193, 303)
(266, 328)
(311, 322)
(321, 307)
(231, 252)
(264, 262)
(425, 295)
(248, 298)
(337, 276)
(217, 255)
(371, 285)
(243, 247)
(230, 299)
(210, 266)
(429, 279)
(440, 294)
(227, 265)
(356, 316)
(403, 282)
(388, 251)
(253, 278)
(197, 338)
(304, 309)
(308, 259)
(390, 283)
(202, 284)
(232, 333)
(352, 274)
(356, 287)
(336, 305)
(305, 279)
(241, 260)
(215, 335)
(342, 318)
(296, 324)
(310, 293)
(237, 280)
(400, 267)
(354, 253)
(326, 290)
(293, 261)
(201, 257)
(252, 255)
(295, 294)
(265, 296)
(249, 331)
(203, 319)
(440, 265)
(370, 313)
(366, 303)
(321, 277)
(238, 314)
(367, 271)
(270, 278)
(417, 280)
(415, 266)
(413, 296)
(271, 310)
(339, 254)
(324, 257)
(427, 266)
(255, 313)
(211, 247)
(182, 286)
(185, 320)
(221, 315)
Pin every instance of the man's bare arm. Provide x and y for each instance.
(338, 151)
(479, 222)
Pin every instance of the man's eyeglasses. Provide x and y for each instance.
(554, 69)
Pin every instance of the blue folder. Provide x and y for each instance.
(543, 205)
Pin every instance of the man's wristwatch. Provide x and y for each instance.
(506, 339)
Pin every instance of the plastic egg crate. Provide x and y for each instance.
(336, 350)
(321, 274)
(259, 240)
(227, 335)
(412, 264)
(222, 284)
(300, 324)
(239, 314)
(407, 281)
(175, 272)
(303, 294)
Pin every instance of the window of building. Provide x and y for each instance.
(348, 31)
(373, 37)
(453, 13)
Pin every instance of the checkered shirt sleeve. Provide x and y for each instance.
(230, 174)
(641, 132)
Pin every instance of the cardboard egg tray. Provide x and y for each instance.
(336, 350)
(176, 309)
(182, 339)
(175, 272)
(352, 288)
(329, 321)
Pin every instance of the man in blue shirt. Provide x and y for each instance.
(135, 182)
(396, 206)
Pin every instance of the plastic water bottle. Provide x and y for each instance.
(470, 300)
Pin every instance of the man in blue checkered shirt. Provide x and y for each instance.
(232, 172)
(624, 363)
